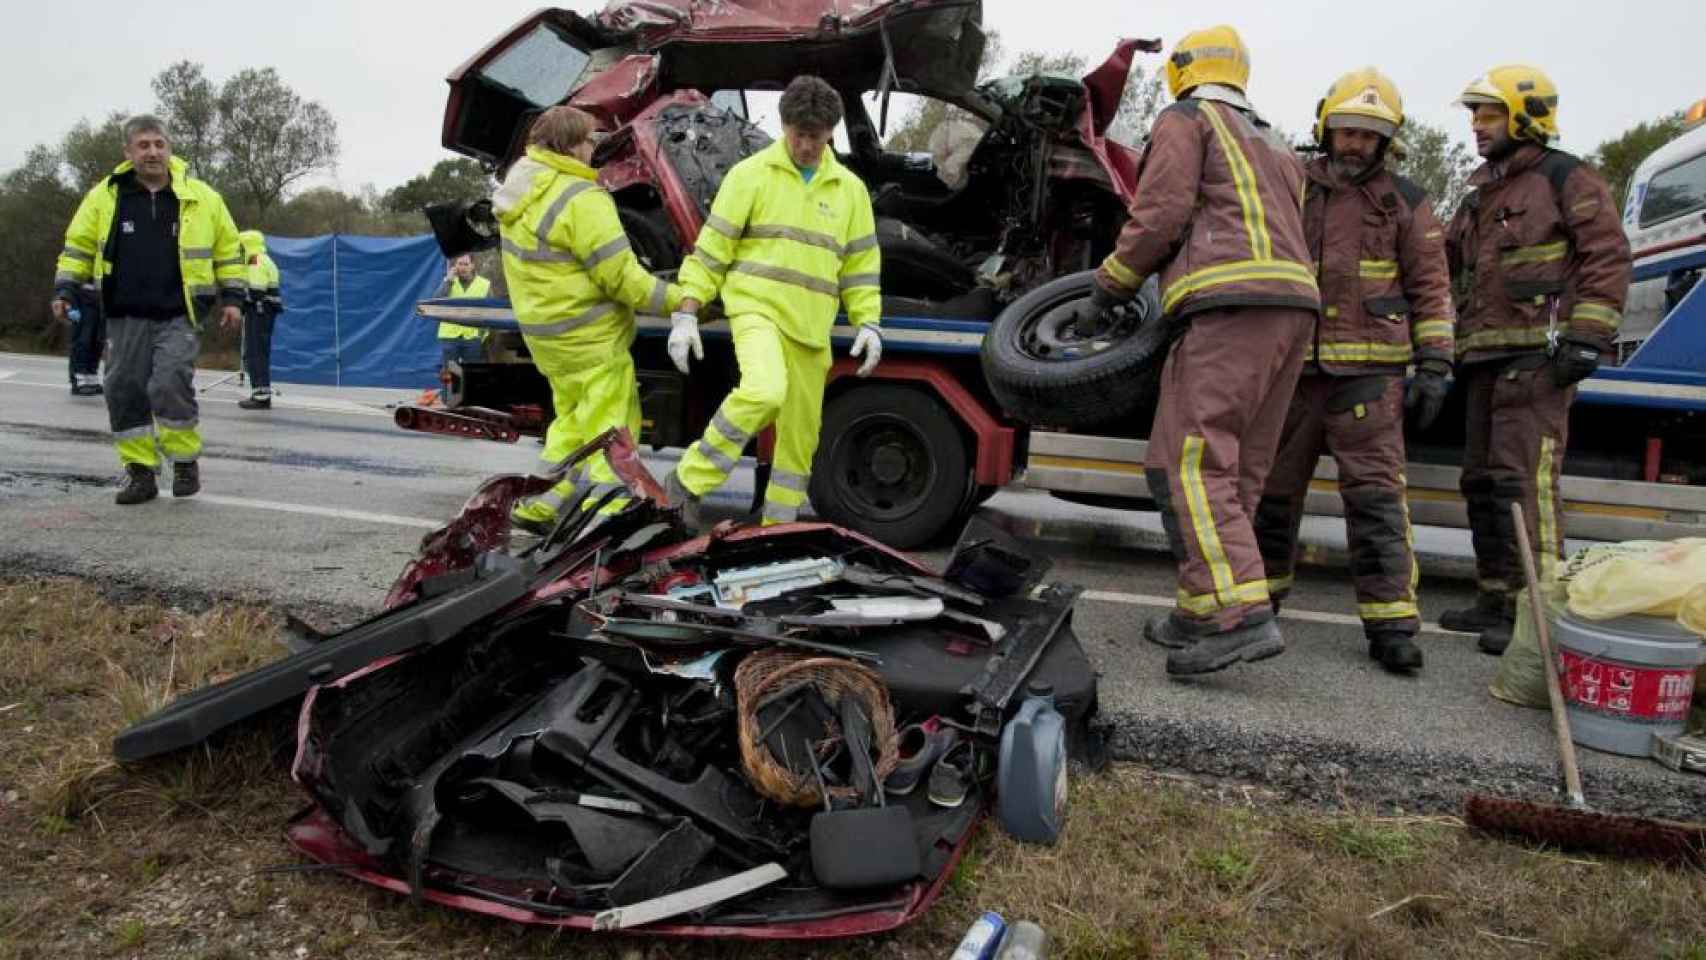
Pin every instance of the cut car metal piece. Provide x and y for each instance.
(701, 897)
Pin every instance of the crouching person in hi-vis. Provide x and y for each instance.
(163, 249)
(574, 285)
(1217, 213)
(1386, 302)
(790, 238)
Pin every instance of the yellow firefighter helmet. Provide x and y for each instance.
(1214, 55)
(1364, 99)
(1527, 93)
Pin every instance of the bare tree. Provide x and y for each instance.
(271, 138)
(188, 102)
(90, 152)
(1438, 163)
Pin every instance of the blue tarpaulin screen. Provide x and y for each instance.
(349, 310)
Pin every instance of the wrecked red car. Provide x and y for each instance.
(1021, 187)
(783, 732)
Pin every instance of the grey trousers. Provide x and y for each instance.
(150, 389)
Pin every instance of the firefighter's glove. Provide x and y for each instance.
(1090, 316)
(1573, 361)
(867, 343)
(684, 337)
(1425, 395)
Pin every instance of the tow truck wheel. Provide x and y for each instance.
(891, 464)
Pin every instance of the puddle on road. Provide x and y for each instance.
(24, 483)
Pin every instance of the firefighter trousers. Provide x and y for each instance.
(1513, 452)
(781, 384)
(1224, 395)
(593, 389)
(1360, 422)
(150, 389)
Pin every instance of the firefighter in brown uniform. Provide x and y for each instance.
(1386, 302)
(1542, 267)
(1217, 213)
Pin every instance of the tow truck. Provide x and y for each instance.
(979, 277)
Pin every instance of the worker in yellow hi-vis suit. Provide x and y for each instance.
(790, 238)
(574, 285)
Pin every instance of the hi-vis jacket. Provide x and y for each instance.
(477, 288)
(210, 258)
(263, 273)
(1218, 196)
(1385, 292)
(1537, 247)
(572, 275)
(787, 250)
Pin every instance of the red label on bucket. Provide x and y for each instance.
(1641, 694)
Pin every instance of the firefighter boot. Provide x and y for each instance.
(1395, 650)
(186, 478)
(139, 485)
(256, 402)
(1489, 609)
(679, 496)
(1496, 638)
(1217, 651)
(1164, 632)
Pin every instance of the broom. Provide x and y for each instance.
(1577, 826)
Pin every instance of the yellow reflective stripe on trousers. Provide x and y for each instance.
(1410, 538)
(1429, 329)
(1547, 522)
(1539, 253)
(1244, 179)
(1236, 272)
(1364, 352)
(1202, 518)
(1390, 610)
(1280, 584)
(1378, 269)
(1203, 604)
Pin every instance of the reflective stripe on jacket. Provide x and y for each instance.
(792, 252)
(210, 258)
(1529, 259)
(1217, 213)
(1385, 292)
(571, 273)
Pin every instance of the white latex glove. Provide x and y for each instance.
(867, 343)
(684, 336)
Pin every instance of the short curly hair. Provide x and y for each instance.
(810, 103)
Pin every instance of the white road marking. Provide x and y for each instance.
(329, 512)
(317, 404)
(1308, 616)
(7, 374)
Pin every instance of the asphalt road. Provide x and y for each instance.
(315, 506)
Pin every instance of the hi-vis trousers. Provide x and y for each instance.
(150, 389)
(593, 389)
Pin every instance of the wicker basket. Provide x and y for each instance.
(765, 674)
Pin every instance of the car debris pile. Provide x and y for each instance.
(761, 732)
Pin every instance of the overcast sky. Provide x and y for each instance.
(380, 66)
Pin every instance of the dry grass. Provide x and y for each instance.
(181, 859)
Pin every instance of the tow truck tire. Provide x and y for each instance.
(1043, 373)
(891, 464)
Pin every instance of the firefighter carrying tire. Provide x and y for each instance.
(1045, 371)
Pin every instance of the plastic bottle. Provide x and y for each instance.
(1025, 941)
(982, 939)
(73, 314)
(1031, 795)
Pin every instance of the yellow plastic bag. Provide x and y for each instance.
(1522, 672)
(1657, 578)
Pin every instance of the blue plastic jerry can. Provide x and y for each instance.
(1031, 781)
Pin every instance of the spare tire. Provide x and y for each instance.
(1044, 372)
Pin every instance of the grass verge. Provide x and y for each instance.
(185, 858)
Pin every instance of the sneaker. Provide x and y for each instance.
(86, 385)
(1217, 651)
(186, 478)
(950, 778)
(256, 402)
(1496, 638)
(1164, 632)
(679, 496)
(1489, 609)
(1395, 650)
(919, 749)
(139, 486)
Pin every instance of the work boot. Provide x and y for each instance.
(689, 504)
(139, 485)
(1164, 632)
(186, 478)
(1489, 609)
(256, 402)
(1496, 638)
(1395, 650)
(1217, 651)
